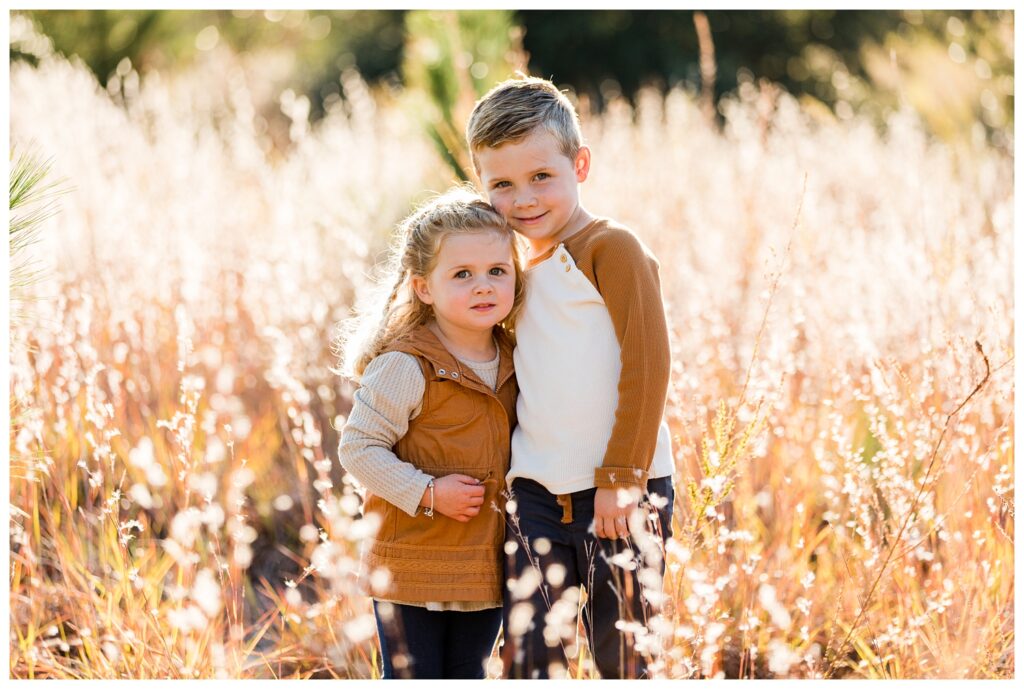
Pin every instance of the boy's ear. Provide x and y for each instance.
(581, 165)
(422, 289)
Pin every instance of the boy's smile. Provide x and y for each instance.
(534, 185)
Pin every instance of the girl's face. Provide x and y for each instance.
(472, 285)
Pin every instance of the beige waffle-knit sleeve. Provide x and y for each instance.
(390, 394)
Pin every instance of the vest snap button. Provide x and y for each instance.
(455, 374)
(442, 371)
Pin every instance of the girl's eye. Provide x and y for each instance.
(497, 271)
(501, 185)
(462, 274)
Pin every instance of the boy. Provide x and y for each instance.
(592, 361)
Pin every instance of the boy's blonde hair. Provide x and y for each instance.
(460, 210)
(515, 107)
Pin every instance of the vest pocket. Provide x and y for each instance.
(441, 532)
(440, 451)
(449, 406)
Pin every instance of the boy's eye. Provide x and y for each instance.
(541, 175)
(500, 185)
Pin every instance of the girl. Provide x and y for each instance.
(428, 436)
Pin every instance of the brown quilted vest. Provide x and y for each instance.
(464, 427)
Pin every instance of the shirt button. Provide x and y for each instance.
(564, 259)
(567, 269)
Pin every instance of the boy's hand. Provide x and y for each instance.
(457, 496)
(612, 508)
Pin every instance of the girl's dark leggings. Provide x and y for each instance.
(416, 643)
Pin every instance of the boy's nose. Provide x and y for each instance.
(525, 201)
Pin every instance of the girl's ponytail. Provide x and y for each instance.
(379, 338)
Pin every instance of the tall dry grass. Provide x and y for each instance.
(177, 510)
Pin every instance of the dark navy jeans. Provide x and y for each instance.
(549, 560)
(416, 643)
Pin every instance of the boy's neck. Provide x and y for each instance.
(579, 219)
(468, 345)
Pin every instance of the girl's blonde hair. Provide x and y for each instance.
(460, 210)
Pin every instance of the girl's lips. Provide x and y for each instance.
(482, 307)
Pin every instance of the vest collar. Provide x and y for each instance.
(423, 342)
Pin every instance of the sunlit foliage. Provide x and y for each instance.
(176, 505)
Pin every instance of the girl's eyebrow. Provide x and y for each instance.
(467, 266)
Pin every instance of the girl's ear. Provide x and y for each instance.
(422, 289)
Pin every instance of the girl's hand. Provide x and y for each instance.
(457, 496)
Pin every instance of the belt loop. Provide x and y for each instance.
(566, 502)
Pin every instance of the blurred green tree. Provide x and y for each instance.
(33, 200)
(319, 44)
(450, 60)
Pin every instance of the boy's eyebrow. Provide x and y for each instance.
(542, 168)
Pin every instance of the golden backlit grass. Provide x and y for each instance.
(176, 505)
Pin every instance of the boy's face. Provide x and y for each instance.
(533, 184)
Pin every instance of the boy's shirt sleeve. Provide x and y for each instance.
(627, 277)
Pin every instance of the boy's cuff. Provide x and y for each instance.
(620, 477)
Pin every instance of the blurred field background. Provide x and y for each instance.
(197, 199)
